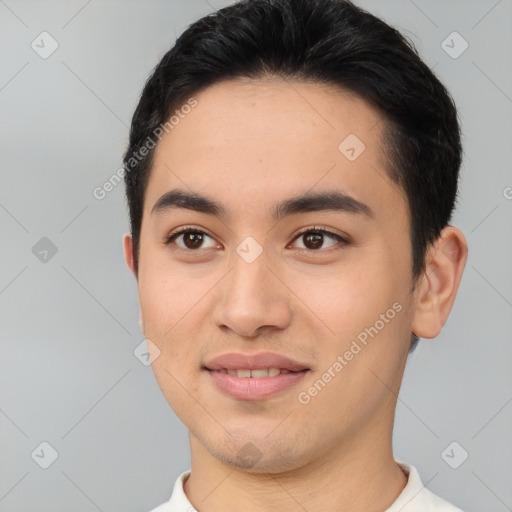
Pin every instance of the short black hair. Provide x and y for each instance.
(331, 42)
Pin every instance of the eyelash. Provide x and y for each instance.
(314, 229)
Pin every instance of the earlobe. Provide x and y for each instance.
(438, 288)
(128, 253)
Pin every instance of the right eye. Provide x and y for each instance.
(191, 238)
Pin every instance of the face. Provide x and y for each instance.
(326, 283)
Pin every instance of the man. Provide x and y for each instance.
(291, 172)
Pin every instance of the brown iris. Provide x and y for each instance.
(315, 238)
(196, 239)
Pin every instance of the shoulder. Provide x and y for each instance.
(433, 502)
(415, 497)
(178, 501)
(164, 507)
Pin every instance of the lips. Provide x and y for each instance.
(254, 377)
(262, 360)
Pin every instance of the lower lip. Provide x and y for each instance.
(250, 388)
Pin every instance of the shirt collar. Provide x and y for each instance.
(410, 499)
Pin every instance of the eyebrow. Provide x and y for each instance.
(308, 202)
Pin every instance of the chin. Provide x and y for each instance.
(260, 456)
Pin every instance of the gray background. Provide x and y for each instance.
(69, 325)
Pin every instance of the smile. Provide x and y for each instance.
(256, 373)
(257, 384)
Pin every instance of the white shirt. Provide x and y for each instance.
(413, 498)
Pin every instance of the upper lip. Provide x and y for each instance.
(241, 361)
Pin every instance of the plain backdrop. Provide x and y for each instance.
(69, 377)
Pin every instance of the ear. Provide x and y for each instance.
(130, 262)
(436, 291)
(128, 253)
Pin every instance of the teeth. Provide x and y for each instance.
(257, 373)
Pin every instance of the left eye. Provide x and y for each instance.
(314, 238)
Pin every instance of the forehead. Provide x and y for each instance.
(249, 143)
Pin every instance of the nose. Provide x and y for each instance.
(252, 299)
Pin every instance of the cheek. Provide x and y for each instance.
(350, 296)
(166, 296)
(177, 388)
(169, 323)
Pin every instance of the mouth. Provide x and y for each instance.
(254, 375)
(255, 384)
(257, 373)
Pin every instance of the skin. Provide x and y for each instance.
(248, 145)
